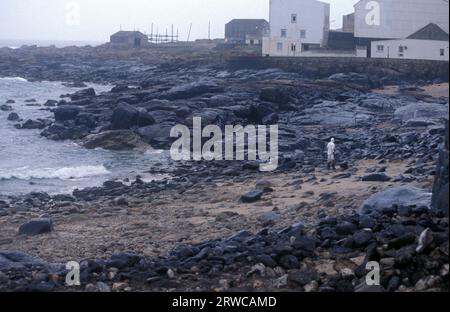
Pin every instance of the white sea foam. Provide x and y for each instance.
(64, 173)
(14, 79)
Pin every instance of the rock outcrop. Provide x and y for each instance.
(439, 202)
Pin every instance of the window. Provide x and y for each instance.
(401, 50)
(380, 48)
(302, 33)
(293, 47)
(283, 33)
(293, 18)
(279, 46)
(442, 52)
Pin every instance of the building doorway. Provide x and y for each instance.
(137, 42)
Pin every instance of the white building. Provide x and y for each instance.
(296, 26)
(429, 43)
(399, 20)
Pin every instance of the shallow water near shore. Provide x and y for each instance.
(31, 163)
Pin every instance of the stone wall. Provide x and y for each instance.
(320, 67)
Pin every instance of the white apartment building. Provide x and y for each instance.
(296, 26)
(403, 29)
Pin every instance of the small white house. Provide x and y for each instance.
(429, 43)
(296, 26)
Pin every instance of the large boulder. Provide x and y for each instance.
(116, 140)
(251, 197)
(439, 202)
(36, 227)
(13, 117)
(66, 112)
(157, 135)
(421, 111)
(124, 117)
(400, 196)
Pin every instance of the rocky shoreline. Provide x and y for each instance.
(389, 146)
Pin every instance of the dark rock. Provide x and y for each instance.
(367, 222)
(66, 112)
(120, 89)
(124, 117)
(60, 131)
(346, 228)
(404, 195)
(145, 119)
(376, 177)
(36, 227)
(51, 103)
(274, 95)
(157, 135)
(123, 260)
(301, 278)
(404, 211)
(289, 262)
(193, 89)
(394, 283)
(252, 196)
(306, 244)
(6, 108)
(439, 203)
(118, 140)
(424, 111)
(269, 218)
(18, 260)
(403, 240)
(34, 124)
(82, 94)
(362, 238)
(13, 117)
(266, 260)
(86, 119)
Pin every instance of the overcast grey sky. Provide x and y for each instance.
(58, 19)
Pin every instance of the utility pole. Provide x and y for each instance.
(151, 35)
(189, 34)
(209, 30)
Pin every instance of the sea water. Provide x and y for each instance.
(32, 163)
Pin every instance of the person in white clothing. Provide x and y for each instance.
(331, 150)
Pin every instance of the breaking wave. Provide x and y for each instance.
(65, 173)
(14, 79)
